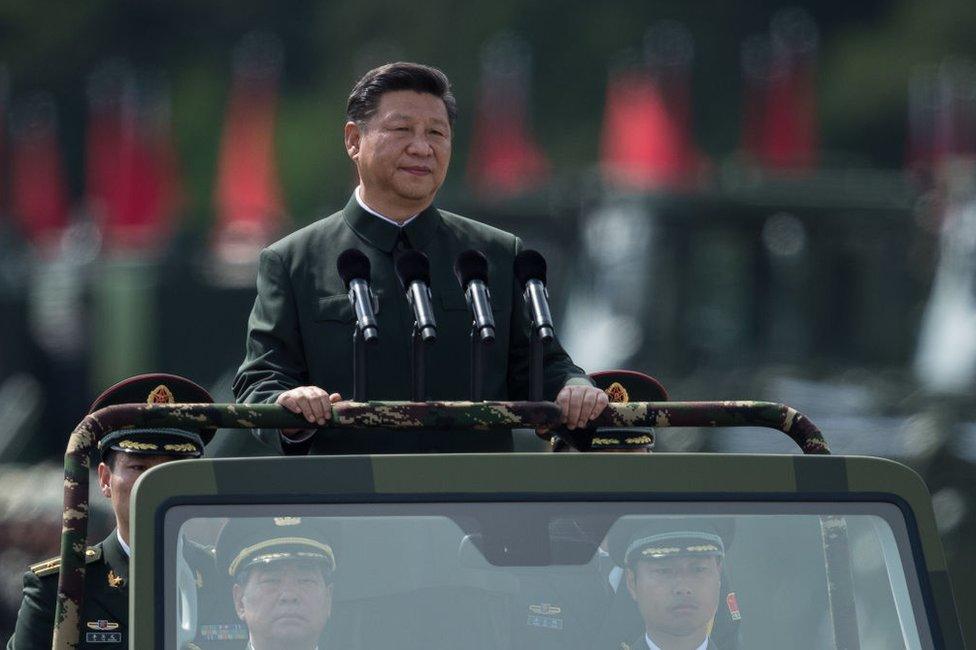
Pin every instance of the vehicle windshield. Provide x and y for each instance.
(566, 575)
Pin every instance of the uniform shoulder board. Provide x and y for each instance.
(53, 565)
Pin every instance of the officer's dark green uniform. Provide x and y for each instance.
(246, 543)
(301, 327)
(105, 614)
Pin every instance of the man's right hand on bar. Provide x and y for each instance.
(310, 401)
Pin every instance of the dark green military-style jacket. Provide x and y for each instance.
(301, 327)
(104, 617)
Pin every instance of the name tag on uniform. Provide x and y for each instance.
(103, 637)
(544, 615)
(232, 632)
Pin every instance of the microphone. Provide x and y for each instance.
(530, 269)
(354, 269)
(471, 270)
(413, 269)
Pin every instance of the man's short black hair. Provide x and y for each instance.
(365, 96)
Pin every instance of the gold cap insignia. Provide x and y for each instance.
(639, 440)
(321, 551)
(138, 446)
(185, 447)
(617, 393)
(287, 521)
(115, 580)
(102, 624)
(161, 395)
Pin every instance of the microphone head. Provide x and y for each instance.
(411, 266)
(530, 265)
(471, 265)
(353, 265)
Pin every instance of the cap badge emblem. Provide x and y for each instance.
(287, 521)
(161, 395)
(617, 393)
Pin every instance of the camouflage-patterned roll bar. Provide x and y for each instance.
(543, 416)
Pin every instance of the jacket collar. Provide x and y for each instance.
(115, 556)
(383, 235)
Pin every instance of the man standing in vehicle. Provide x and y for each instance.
(125, 455)
(398, 133)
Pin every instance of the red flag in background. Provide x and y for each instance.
(646, 142)
(505, 159)
(38, 191)
(131, 172)
(248, 199)
(780, 112)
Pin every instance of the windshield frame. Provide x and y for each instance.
(654, 478)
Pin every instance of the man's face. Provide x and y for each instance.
(285, 604)
(403, 151)
(116, 481)
(677, 597)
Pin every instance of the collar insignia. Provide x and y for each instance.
(733, 604)
(115, 580)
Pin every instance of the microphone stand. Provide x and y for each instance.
(478, 345)
(358, 365)
(418, 367)
(535, 366)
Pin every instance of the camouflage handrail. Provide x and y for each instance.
(77, 458)
(403, 415)
(718, 414)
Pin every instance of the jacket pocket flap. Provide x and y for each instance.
(335, 308)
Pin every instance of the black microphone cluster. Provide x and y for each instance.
(413, 269)
(354, 269)
(471, 270)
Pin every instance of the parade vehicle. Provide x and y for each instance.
(510, 551)
(523, 550)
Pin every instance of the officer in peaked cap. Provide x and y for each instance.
(125, 454)
(621, 386)
(674, 573)
(282, 570)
